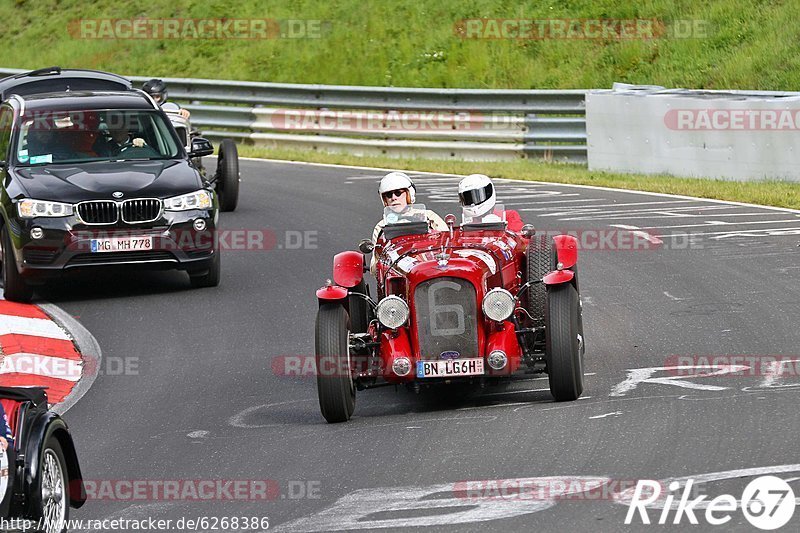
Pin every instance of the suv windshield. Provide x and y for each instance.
(83, 136)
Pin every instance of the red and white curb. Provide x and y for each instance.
(42, 346)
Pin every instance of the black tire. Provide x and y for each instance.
(562, 352)
(210, 278)
(540, 261)
(336, 390)
(54, 489)
(360, 310)
(14, 287)
(228, 175)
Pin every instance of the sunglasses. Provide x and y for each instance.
(397, 192)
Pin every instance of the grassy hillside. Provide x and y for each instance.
(748, 44)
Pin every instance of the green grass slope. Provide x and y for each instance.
(748, 44)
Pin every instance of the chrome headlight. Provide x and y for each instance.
(392, 312)
(498, 304)
(194, 200)
(40, 208)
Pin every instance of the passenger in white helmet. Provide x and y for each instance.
(397, 192)
(478, 199)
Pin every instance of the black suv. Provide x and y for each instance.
(92, 174)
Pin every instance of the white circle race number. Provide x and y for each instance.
(768, 502)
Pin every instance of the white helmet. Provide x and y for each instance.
(397, 180)
(476, 194)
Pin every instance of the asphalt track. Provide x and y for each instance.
(200, 398)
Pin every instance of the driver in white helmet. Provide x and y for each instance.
(478, 199)
(398, 192)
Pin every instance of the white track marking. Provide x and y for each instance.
(721, 223)
(533, 183)
(589, 207)
(637, 376)
(742, 233)
(674, 298)
(614, 414)
(237, 420)
(37, 327)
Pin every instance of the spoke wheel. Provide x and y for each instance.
(55, 506)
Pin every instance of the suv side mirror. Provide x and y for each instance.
(366, 246)
(201, 147)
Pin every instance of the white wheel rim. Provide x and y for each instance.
(53, 493)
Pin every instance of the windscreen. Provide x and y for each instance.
(85, 136)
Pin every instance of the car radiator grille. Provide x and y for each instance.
(132, 211)
(446, 318)
(141, 210)
(98, 212)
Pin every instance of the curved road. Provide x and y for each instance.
(191, 389)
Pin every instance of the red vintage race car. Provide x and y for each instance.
(477, 302)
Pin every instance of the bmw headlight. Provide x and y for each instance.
(498, 304)
(40, 208)
(194, 200)
(392, 312)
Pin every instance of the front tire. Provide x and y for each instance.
(14, 287)
(563, 347)
(54, 508)
(228, 175)
(335, 387)
(540, 262)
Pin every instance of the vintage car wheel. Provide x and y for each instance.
(563, 343)
(360, 310)
(209, 278)
(14, 287)
(540, 261)
(335, 387)
(228, 175)
(55, 495)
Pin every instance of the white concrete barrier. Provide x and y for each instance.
(737, 135)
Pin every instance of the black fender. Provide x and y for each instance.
(49, 424)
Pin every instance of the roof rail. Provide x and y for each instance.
(44, 71)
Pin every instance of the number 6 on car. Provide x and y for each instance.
(475, 303)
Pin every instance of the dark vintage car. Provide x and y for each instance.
(475, 303)
(43, 478)
(92, 178)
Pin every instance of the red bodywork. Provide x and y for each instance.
(485, 259)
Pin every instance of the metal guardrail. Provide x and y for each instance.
(468, 124)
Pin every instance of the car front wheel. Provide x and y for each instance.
(335, 387)
(563, 342)
(54, 509)
(14, 287)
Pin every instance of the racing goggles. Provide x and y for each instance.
(476, 196)
(388, 195)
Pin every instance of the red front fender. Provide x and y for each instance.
(348, 268)
(558, 276)
(566, 250)
(332, 292)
